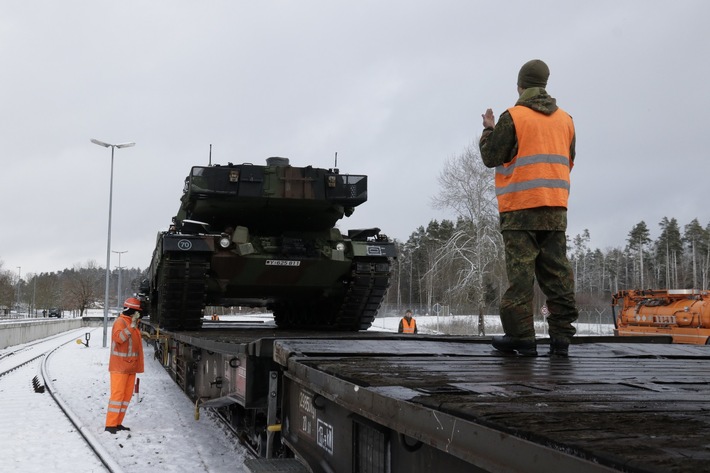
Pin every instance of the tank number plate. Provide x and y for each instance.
(282, 262)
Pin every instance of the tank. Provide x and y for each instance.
(683, 314)
(266, 236)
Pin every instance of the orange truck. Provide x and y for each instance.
(683, 314)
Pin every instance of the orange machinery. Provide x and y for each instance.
(683, 314)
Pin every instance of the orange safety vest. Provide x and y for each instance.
(538, 176)
(408, 326)
(126, 347)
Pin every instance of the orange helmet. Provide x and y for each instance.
(132, 303)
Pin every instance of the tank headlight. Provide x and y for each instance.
(340, 246)
(224, 242)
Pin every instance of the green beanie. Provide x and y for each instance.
(533, 74)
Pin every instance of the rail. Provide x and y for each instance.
(103, 455)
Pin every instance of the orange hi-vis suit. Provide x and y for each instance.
(409, 326)
(126, 360)
(538, 176)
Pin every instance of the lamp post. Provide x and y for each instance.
(19, 278)
(118, 292)
(108, 244)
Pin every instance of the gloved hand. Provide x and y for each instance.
(135, 317)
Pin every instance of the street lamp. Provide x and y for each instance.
(108, 244)
(118, 292)
(19, 278)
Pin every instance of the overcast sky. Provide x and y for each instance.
(394, 87)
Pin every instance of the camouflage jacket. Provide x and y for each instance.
(500, 145)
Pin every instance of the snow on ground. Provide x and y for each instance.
(34, 436)
(164, 433)
(431, 324)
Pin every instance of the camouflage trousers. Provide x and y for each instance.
(540, 254)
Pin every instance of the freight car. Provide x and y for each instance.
(684, 314)
(379, 402)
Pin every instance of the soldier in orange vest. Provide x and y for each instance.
(125, 361)
(532, 148)
(407, 324)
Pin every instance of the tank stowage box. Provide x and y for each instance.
(265, 236)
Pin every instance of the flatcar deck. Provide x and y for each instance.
(609, 407)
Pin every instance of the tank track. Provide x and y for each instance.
(181, 291)
(369, 280)
(367, 285)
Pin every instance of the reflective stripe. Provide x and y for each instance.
(534, 159)
(117, 406)
(128, 354)
(408, 327)
(125, 334)
(114, 351)
(533, 184)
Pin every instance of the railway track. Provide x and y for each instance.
(15, 357)
(30, 401)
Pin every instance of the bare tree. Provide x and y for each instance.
(467, 187)
(7, 288)
(82, 287)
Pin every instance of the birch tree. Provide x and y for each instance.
(467, 187)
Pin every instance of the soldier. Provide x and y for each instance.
(407, 324)
(532, 149)
(125, 362)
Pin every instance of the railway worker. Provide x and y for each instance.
(408, 324)
(125, 361)
(532, 148)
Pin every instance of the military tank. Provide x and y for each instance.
(265, 236)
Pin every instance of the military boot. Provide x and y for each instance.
(521, 346)
(559, 347)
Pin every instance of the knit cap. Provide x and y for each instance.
(533, 74)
